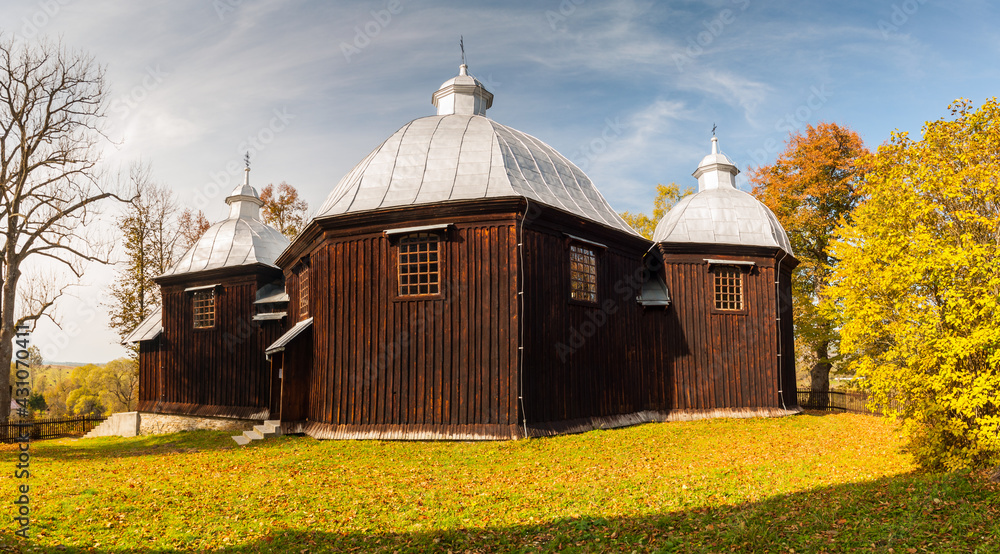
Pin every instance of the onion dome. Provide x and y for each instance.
(460, 154)
(242, 239)
(719, 213)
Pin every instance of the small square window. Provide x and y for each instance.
(419, 265)
(728, 288)
(582, 274)
(203, 302)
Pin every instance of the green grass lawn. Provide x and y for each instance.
(810, 483)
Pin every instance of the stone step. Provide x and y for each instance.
(270, 428)
(253, 435)
(267, 430)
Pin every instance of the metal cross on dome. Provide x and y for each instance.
(461, 44)
(246, 159)
(713, 129)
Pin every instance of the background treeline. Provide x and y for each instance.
(84, 390)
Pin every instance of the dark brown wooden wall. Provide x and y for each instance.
(297, 359)
(725, 360)
(787, 328)
(583, 360)
(384, 360)
(219, 367)
(149, 371)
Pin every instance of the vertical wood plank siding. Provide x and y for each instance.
(586, 361)
(217, 371)
(727, 360)
(377, 365)
(149, 370)
(380, 359)
(787, 337)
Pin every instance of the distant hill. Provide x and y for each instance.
(66, 364)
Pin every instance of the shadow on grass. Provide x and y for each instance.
(917, 512)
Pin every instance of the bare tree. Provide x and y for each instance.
(51, 108)
(149, 234)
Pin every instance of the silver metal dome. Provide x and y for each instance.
(460, 154)
(461, 157)
(719, 213)
(242, 239)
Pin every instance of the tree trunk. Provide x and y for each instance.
(819, 390)
(7, 332)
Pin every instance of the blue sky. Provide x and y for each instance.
(629, 90)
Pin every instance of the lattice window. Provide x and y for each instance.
(728, 288)
(582, 274)
(304, 291)
(204, 309)
(419, 265)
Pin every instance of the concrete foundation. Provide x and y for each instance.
(131, 424)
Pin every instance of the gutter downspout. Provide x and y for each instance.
(777, 313)
(520, 317)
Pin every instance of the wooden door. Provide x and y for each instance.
(295, 375)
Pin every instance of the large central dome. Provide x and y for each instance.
(459, 155)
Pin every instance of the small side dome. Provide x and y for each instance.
(241, 239)
(719, 213)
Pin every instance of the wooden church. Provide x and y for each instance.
(466, 281)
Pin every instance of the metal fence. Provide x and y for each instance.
(840, 401)
(48, 428)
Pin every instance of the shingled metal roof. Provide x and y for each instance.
(719, 213)
(242, 239)
(284, 340)
(148, 329)
(460, 154)
(722, 216)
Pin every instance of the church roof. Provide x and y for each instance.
(719, 213)
(460, 154)
(148, 329)
(241, 239)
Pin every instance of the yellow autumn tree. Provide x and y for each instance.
(812, 188)
(918, 286)
(666, 197)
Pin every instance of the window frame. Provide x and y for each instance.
(595, 249)
(742, 269)
(214, 309)
(304, 292)
(401, 239)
